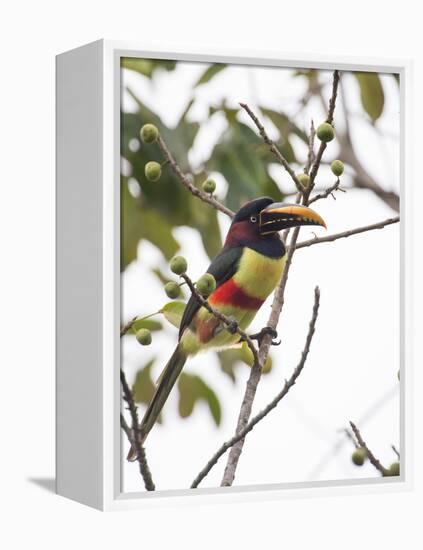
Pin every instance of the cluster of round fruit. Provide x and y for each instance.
(205, 285)
(325, 132)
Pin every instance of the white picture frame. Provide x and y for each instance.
(88, 460)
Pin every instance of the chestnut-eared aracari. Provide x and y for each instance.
(247, 270)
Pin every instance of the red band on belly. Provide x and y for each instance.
(230, 293)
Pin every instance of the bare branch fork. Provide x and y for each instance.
(329, 191)
(273, 404)
(134, 435)
(372, 459)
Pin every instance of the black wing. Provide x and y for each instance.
(223, 267)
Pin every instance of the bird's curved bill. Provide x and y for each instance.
(279, 216)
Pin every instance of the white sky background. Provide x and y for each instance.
(351, 372)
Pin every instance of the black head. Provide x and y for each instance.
(258, 223)
(245, 230)
(251, 210)
(264, 217)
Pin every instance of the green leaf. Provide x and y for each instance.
(230, 114)
(166, 196)
(130, 227)
(173, 312)
(139, 223)
(158, 231)
(209, 73)
(371, 94)
(149, 324)
(204, 219)
(228, 360)
(143, 388)
(241, 159)
(146, 66)
(193, 389)
(160, 275)
(285, 125)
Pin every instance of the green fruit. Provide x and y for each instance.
(206, 284)
(143, 336)
(153, 170)
(209, 186)
(248, 358)
(337, 167)
(149, 133)
(304, 179)
(178, 265)
(359, 456)
(394, 469)
(325, 132)
(172, 289)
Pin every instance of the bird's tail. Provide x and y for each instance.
(165, 384)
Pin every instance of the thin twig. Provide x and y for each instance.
(273, 404)
(372, 459)
(325, 194)
(273, 147)
(126, 328)
(329, 119)
(310, 156)
(183, 178)
(221, 317)
(135, 440)
(396, 451)
(125, 427)
(349, 233)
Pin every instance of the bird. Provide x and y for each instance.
(246, 270)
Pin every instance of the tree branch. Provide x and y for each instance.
(183, 178)
(278, 300)
(126, 328)
(134, 435)
(396, 451)
(329, 119)
(273, 404)
(256, 370)
(372, 459)
(349, 233)
(272, 147)
(310, 155)
(325, 194)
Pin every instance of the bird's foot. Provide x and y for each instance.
(266, 331)
(233, 326)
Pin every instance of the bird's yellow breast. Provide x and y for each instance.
(257, 274)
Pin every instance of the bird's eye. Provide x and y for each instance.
(253, 219)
